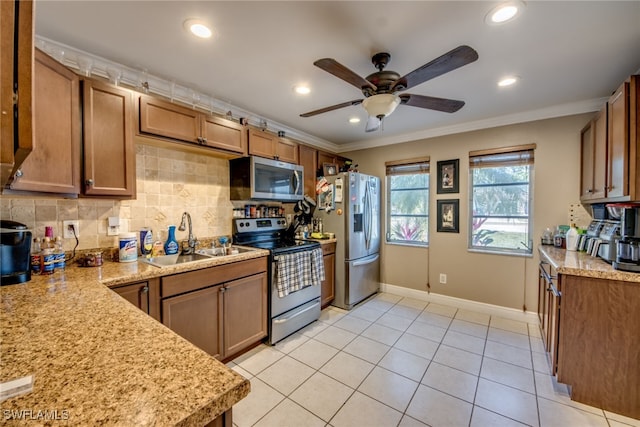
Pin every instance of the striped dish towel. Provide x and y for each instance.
(298, 270)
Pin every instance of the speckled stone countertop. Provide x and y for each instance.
(98, 360)
(581, 264)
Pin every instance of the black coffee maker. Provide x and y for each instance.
(628, 254)
(15, 252)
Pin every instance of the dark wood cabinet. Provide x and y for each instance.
(593, 139)
(549, 304)
(164, 119)
(618, 139)
(308, 158)
(327, 292)
(143, 295)
(16, 82)
(269, 145)
(54, 164)
(108, 129)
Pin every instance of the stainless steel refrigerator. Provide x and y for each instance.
(353, 214)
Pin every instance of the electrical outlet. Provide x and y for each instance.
(69, 227)
(443, 278)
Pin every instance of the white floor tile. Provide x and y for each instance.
(291, 342)
(352, 324)
(434, 319)
(388, 387)
(464, 342)
(404, 363)
(614, 423)
(322, 395)
(509, 354)
(361, 410)
(508, 374)
(469, 328)
(367, 313)
(314, 328)
(554, 414)
(507, 401)
(379, 304)
(413, 303)
(314, 353)
(382, 334)
(443, 310)
(261, 357)
(509, 325)
(286, 374)
(438, 409)
(367, 349)
(332, 314)
(451, 381)
(541, 362)
(403, 311)
(509, 338)
(408, 421)
(473, 316)
(335, 337)
(425, 330)
(347, 369)
(483, 418)
(534, 330)
(289, 414)
(394, 321)
(537, 345)
(261, 400)
(459, 359)
(416, 345)
(384, 296)
(548, 387)
(611, 416)
(248, 375)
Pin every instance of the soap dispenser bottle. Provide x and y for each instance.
(171, 246)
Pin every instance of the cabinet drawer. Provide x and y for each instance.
(328, 248)
(192, 280)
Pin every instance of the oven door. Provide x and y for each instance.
(292, 300)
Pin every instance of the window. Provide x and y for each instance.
(408, 201)
(501, 195)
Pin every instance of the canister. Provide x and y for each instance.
(128, 247)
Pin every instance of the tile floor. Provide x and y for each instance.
(396, 361)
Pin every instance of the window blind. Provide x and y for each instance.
(407, 167)
(505, 156)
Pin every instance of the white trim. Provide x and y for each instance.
(480, 307)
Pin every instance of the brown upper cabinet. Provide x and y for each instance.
(618, 147)
(267, 144)
(54, 164)
(167, 120)
(308, 159)
(16, 85)
(108, 127)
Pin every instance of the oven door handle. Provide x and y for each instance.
(297, 313)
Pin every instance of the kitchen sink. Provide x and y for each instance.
(169, 260)
(215, 252)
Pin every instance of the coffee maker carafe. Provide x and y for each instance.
(628, 253)
(15, 251)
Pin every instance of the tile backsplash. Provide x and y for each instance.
(169, 182)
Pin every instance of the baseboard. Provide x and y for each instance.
(493, 310)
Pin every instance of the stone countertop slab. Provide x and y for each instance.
(581, 264)
(101, 360)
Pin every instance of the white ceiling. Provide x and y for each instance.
(569, 55)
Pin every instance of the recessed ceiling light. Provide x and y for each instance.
(302, 89)
(198, 28)
(508, 81)
(354, 120)
(504, 12)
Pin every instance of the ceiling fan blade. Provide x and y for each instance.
(331, 108)
(332, 66)
(373, 124)
(432, 103)
(456, 58)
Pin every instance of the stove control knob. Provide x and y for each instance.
(246, 223)
(241, 224)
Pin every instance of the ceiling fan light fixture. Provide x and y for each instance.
(504, 12)
(198, 28)
(381, 105)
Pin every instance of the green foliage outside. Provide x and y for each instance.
(408, 208)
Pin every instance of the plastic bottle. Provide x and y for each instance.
(58, 252)
(36, 255)
(48, 259)
(571, 238)
(171, 246)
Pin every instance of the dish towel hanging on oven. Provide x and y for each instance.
(299, 270)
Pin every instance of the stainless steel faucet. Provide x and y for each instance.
(191, 240)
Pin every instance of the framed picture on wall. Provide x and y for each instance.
(329, 169)
(448, 176)
(448, 216)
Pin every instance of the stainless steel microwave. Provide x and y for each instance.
(257, 178)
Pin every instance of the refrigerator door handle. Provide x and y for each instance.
(366, 261)
(367, 216)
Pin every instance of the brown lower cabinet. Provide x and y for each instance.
(327, 292)
(222, 310)
(142, 295)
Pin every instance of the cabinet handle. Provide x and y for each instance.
(89, 182)
(145, 289)
(223, 289)
(19, 173)
(204, 140)
(589, 191)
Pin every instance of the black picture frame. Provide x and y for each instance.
(449, 216)
(448, 175)
(329, 169)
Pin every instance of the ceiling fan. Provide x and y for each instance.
(380, 88)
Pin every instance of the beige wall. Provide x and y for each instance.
(508, 281)
(168, 181)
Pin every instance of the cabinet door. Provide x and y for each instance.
(54, 164)
(16, 71)
(162, 118)
(324, 157)
(225, 134)
(136, 293)
(108, 134)
(586, 162)
(600, 140)
(542, 303)
(245, 313)
(196, 317)
(286, 150)
(308, 158)
(262, 143)
(327, 292)
(618, 182)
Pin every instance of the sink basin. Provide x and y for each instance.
(169, 260)
(215, 252)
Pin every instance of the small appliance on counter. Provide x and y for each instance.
(628, 247)
(15, 252)
(609, 237)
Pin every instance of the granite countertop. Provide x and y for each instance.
(97, 359)
(581, 264)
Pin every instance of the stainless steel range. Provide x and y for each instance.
(299, 304)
